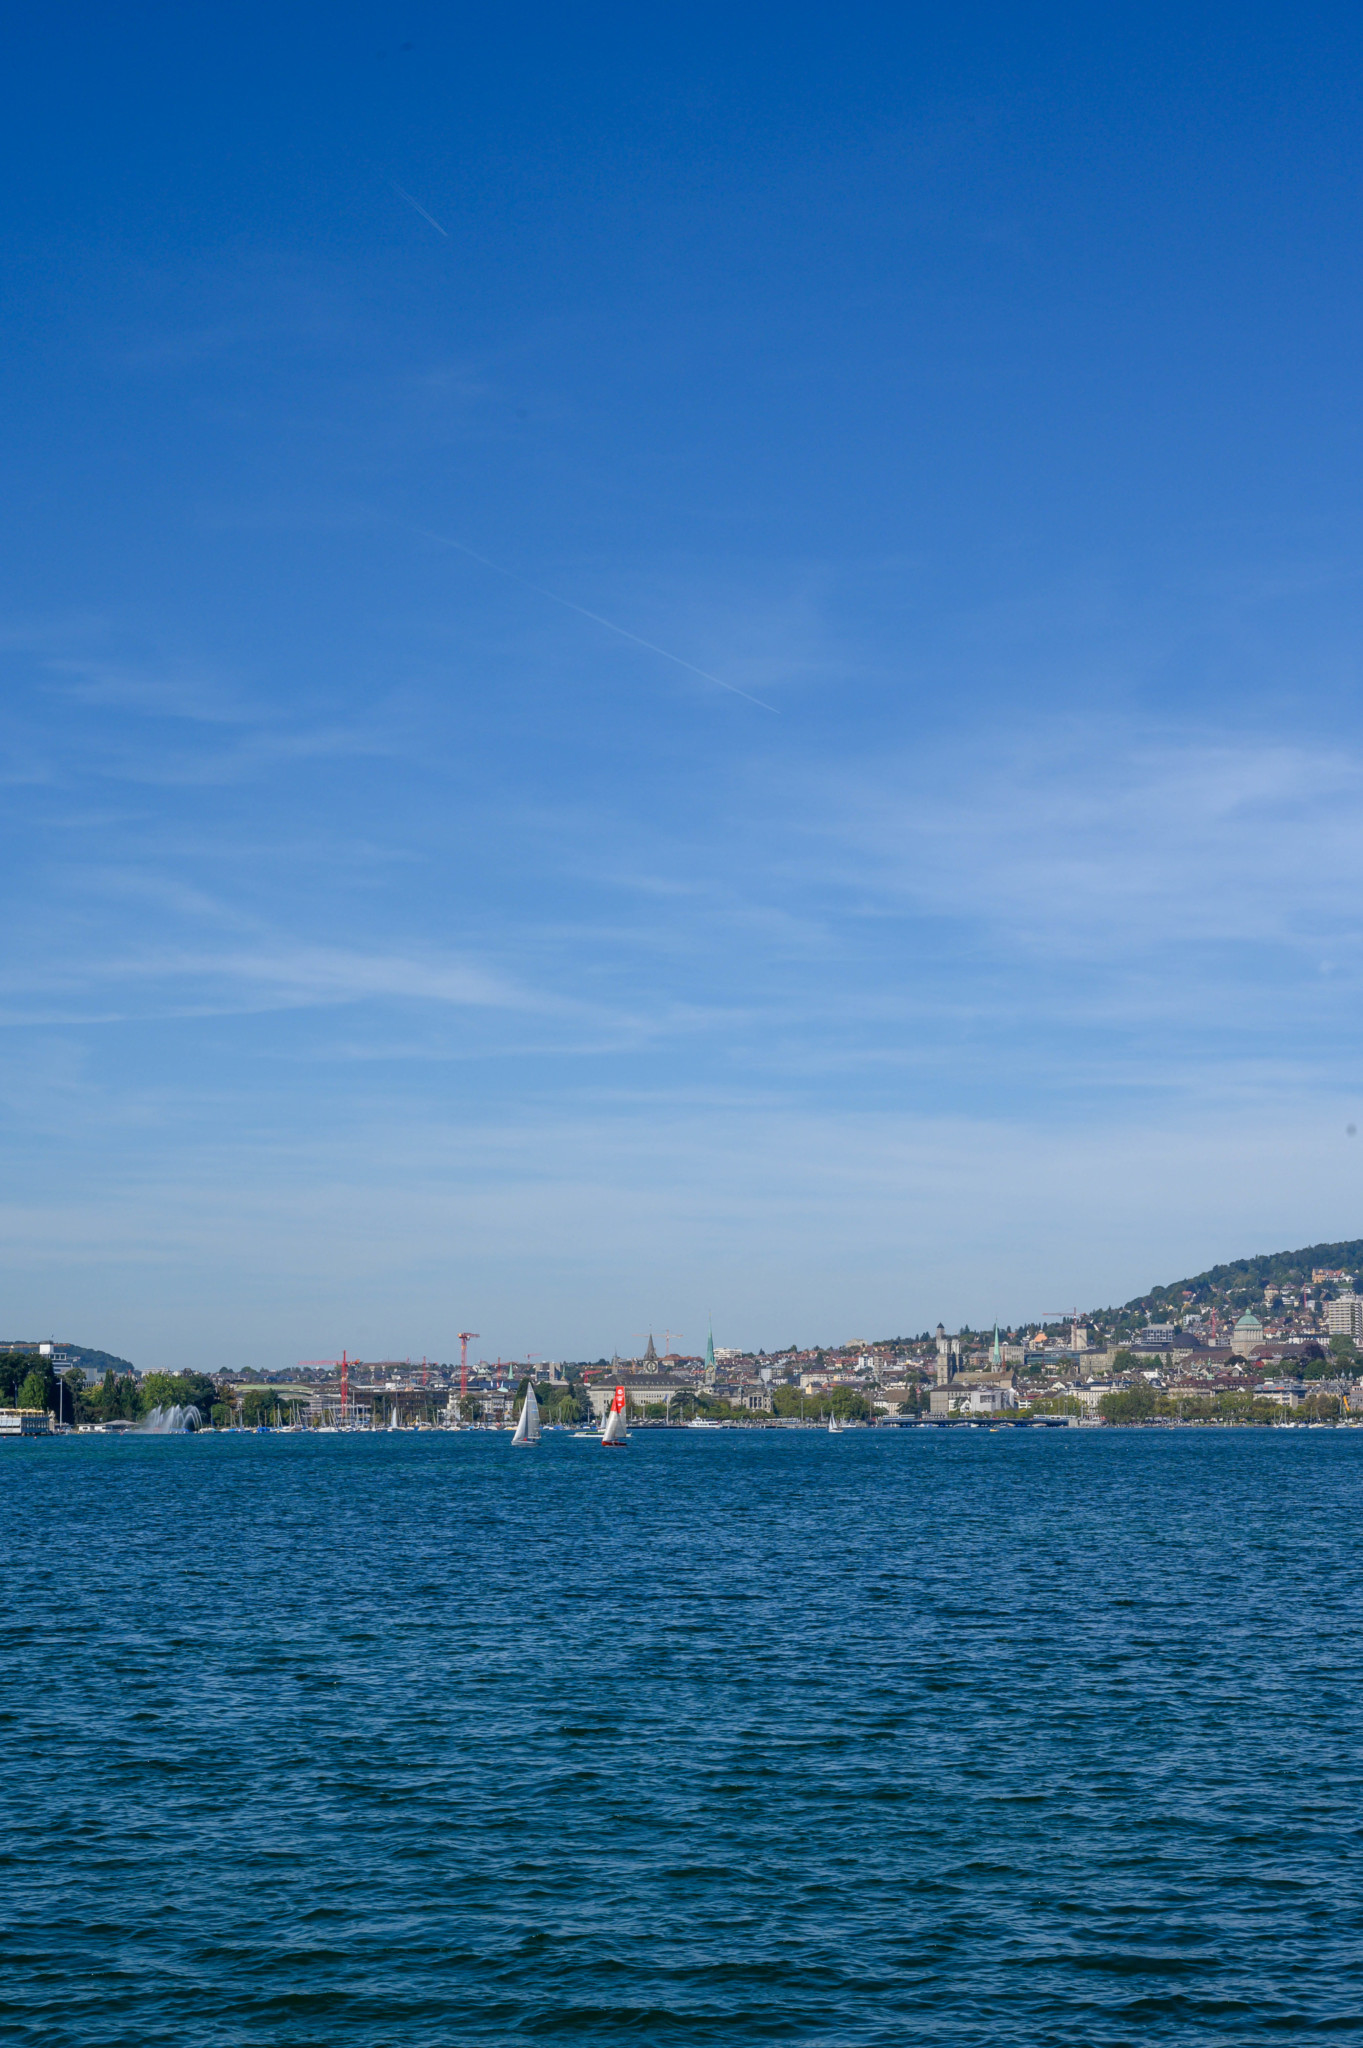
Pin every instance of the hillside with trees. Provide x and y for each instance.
(1240, 1284)
(96, 1363)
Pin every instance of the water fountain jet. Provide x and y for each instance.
(174, 1421)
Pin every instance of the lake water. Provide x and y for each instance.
(893, 1737)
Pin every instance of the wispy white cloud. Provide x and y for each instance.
(1108, 843)
(281, 976)
(153, 721)
(126, 687)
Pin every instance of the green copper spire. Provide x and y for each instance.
(996, 1354)
(710, 1355)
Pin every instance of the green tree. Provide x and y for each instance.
(113, 1397)
(1130, 1404)
(91, 1401)
(66, 1391)
(15, 1367)
(20, 1370)
(263, 1405)
(179, 1390)
(36, 1390)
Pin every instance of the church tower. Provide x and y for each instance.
(948, 1357)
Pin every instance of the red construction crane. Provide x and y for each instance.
(332, 1363)
(465, 1339)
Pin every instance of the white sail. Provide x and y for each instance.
(614, 1432)
(528, 1428)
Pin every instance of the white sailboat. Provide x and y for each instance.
(615, 1432)
(834, 1426)
(528, 1428)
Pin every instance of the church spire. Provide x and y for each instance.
(710, 1356)
(650, 1356)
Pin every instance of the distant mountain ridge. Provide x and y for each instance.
(1241, 1281)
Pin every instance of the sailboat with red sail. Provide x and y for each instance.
(615, 1432)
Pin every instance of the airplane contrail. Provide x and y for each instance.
(420, 208)
(512, 576)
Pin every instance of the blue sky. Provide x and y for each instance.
(947, 903)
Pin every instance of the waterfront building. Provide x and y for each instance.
(644, 1390)
(25, 1422)
(981, 1398)
(1284, 1393)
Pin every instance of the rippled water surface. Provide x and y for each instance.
(732, 1737)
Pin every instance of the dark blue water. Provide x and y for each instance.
(730, 1737)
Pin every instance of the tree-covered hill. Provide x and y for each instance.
(96, 1363)
(1241, 1282)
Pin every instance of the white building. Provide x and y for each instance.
(1344, 1316)
(25, 1422)
(954, 1400)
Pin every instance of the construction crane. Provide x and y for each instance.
(332, 1363)
(466, 1337)
(1058, 1315)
